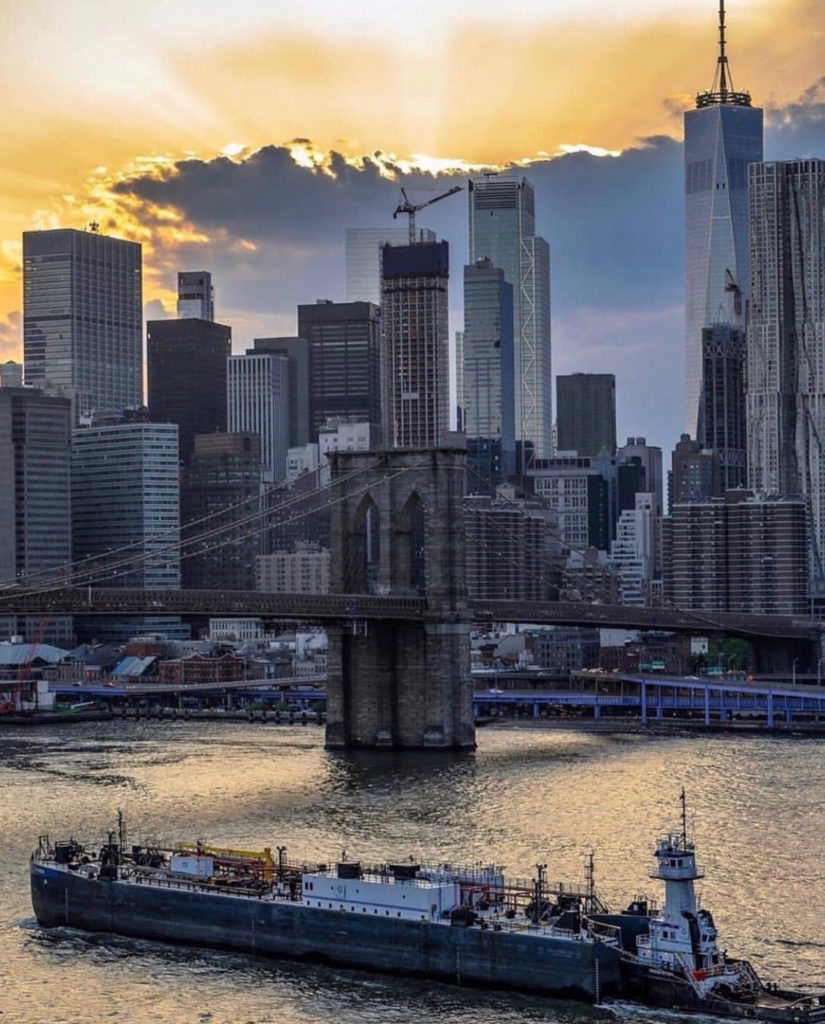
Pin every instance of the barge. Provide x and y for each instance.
(465, 925)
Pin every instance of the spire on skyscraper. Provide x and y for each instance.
(722, 90)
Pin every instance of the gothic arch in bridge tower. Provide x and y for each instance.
(409, 549)
(362, 548)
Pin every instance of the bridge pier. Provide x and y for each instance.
(397, 530)
(403, 685)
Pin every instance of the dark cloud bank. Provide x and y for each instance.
(614, 225)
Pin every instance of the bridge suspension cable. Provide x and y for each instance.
(192, 547)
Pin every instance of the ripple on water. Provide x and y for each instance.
(524, 796)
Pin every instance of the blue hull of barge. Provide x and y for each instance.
(461, 955)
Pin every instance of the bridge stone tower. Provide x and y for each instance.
(397, 531)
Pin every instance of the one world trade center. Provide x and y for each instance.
(722, 136)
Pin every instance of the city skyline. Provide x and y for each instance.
(612, 311)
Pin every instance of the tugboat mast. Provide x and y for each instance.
(684, 817)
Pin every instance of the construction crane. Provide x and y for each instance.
(732, 286)
(412, 208)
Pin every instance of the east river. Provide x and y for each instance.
(525, 796)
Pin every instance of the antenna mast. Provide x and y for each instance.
(722, 90)
(723, 60)
(684, 818)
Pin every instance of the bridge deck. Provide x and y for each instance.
(335, 608)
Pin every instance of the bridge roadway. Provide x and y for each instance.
(336, 608)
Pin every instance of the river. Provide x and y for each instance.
(525, 796)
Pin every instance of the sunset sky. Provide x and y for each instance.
(172, 123)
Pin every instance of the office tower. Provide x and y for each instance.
(196, 296)
(586, 413)
(650, 458)
(11, 374)
(722, 409)
(125, 503)
(487, 376)
(722, 136)
(187, 376)
(220, 493)
(35, 503)
(297, 352)
(344, 361)
(417, 369)
(694, 474)
(786, 339)
(737, 554)
(258, 402)
(83, 319)
(35, 510)
(502, 228)
(362, 255)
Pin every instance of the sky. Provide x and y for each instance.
(245, 138)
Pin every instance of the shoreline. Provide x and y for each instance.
(634, 727)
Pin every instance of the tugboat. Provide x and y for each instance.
(678, 962)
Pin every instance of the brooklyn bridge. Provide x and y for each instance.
(398, 614)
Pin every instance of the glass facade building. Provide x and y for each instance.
(258, 402)
(786, 340)
(83, 319)
(344, 361)
(723, 135)
(502, 228)
(487, 376)
(126, 503)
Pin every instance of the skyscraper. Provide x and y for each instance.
(344, 361)
(502, 228)
(223, 483)
(196, 296)
(722, 136)
(296, 351)
(258, 402)
(35, 502)
(722, 409)
(786, 339)
(414, 314)
(35, 512)
(126, 502)
(487, 376)
(362, 255)
(187, 376)
(83, 318)
(586, 413)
